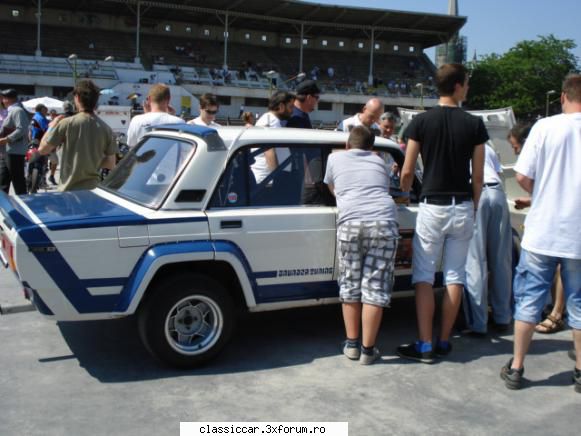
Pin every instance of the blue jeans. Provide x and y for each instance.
(532, 283)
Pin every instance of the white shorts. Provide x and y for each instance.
(442, 230)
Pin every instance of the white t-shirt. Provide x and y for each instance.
(259, 167)
(361, 182)
(551, 157)
(492, 166)
(199, 122)
(140, 124)
(347, 125)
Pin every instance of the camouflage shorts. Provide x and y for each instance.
(366, 251)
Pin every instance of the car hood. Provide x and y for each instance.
(78, 209)
(498, 122)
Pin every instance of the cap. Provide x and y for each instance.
(9, 93)
(308, 87)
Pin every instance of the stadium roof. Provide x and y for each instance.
(286, 16)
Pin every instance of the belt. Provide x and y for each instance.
(445, 200)
(490, 185)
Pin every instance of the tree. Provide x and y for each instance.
(522, 76)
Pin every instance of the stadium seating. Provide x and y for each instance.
(200, 61)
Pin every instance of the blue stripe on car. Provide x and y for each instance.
(149, 256)
(104, 282)
(75, 289)
(85, 209)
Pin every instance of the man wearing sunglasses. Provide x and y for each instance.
(307, 97)
(208, 110)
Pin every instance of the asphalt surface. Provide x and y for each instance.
(95, 378)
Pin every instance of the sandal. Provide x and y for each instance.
(550, 325)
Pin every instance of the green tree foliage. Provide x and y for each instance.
(522, 76)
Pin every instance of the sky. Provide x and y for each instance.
(494, 26)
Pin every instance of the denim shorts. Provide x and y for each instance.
(442, 237)
(366, 251)
(532, 284)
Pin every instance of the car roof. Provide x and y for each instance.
(235, 137)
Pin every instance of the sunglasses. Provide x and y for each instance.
(209, 112)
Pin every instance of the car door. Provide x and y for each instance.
(407, 212)
(282, 226)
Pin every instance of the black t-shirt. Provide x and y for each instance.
(299, 119)
(447, 137)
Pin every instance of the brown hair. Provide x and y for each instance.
(159, 93)
(447, 76)
(520, 132)
(88, 94)
(572, 87)
(247, 116)
(207, 100)
(278, 98)
(361, 137)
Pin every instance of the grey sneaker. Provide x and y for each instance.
(513, 378)
(368, 359)
(351, 352)
(577, 379)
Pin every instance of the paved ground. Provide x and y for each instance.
(95, 378)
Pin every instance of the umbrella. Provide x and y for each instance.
(107, 91)
(133, 95)
(50, 103)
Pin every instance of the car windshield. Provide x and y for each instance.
(147, 172)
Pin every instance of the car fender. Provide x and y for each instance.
(171, 253)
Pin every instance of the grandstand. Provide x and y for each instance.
(226, 49)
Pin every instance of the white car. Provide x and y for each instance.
(181, 235)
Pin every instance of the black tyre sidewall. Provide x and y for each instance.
(162, 297)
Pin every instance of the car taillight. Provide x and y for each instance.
(8, 249)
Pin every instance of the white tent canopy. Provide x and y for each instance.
(50, 103)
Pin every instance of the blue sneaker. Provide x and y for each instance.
(442, 349)
(410, 352)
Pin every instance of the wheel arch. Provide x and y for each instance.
(220, 271)
(198, 256)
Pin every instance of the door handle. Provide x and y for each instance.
(231, 224)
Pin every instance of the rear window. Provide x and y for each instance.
(148, 172)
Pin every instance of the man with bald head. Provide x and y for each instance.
(368, 117)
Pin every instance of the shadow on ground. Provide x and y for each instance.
(112, 352)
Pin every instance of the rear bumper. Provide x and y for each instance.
(31, 295)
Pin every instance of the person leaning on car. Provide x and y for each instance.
(367, 234)
(87, 141)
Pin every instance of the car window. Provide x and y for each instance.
(147, 173)
(269, 175)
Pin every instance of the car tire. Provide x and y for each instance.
(186, 320)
